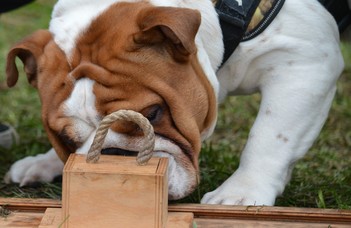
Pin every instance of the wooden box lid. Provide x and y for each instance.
(116, 164)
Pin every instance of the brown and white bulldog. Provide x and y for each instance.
(162, 58)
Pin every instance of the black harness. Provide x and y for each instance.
(234, 20)
(341, 11)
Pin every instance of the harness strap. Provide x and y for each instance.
(234, 20)
(341, 11)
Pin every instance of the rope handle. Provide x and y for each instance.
(145, 152)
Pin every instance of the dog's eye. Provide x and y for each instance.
(154, 113)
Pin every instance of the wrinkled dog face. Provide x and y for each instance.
(132, 56)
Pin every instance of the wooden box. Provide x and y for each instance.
(115, 190)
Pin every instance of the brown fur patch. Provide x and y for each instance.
(47, 69)
(135, 68)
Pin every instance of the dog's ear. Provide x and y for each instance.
(29, 51)
(177, 26)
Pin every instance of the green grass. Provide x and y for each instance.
(322, 179)
(20, 106)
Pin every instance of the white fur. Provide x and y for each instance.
(67, 23)
(294, 63)
(81, 106)
(39, 168)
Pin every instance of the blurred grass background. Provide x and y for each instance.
(322, 179)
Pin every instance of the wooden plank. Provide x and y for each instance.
(28, 204)
(53, 218)
(180, 220)
(265, 213)
(21, 219)
(215, 223)
(213, 212)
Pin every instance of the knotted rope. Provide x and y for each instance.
(145, 152)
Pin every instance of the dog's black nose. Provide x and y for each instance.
(118, 151)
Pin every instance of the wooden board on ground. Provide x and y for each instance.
(53, 218)
(31, 211)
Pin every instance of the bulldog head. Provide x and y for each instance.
(131, 56)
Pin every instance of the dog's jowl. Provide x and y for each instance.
(173, 61)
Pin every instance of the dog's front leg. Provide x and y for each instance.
(291, 115)
(33, 169)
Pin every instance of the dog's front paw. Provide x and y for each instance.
(40, 168)
(241, 190)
